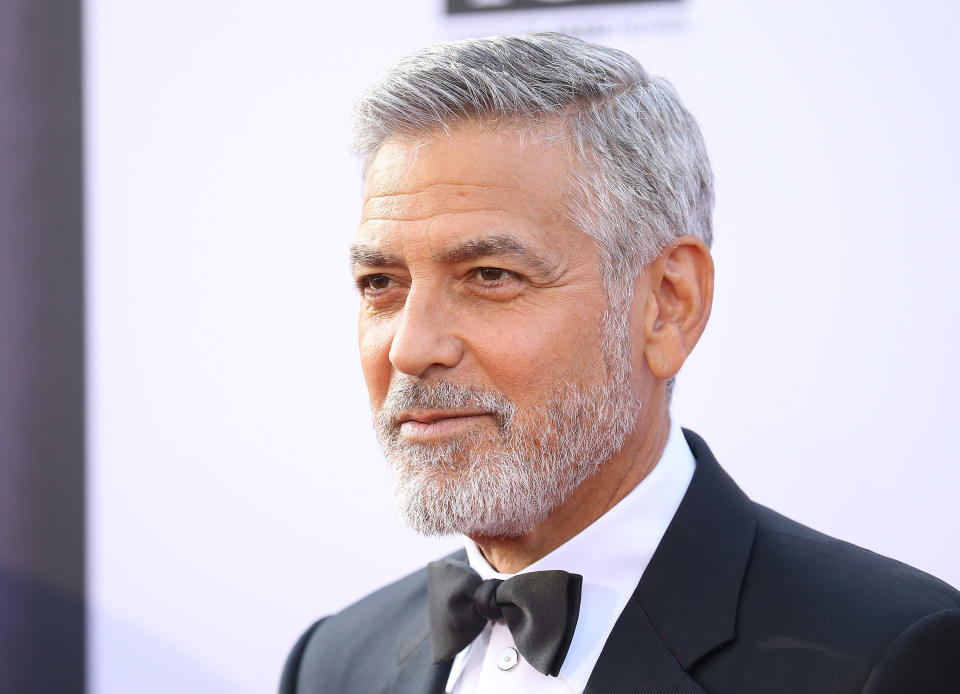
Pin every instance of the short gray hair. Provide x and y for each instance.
(641, 175)
(644, 175)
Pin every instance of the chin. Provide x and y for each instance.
(506, 484)
(487, 493)
(438, 515)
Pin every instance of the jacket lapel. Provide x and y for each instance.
(416, 671)
(635, 659)
(686, 603)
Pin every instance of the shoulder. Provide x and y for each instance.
(356, 650)
(790, 560)
(924, 658)
(397, 602)
(817, 604)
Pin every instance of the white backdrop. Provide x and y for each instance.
(236, 492)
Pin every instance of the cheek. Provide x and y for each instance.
(536, 355)
(374, 344)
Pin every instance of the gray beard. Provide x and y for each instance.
(503, 484)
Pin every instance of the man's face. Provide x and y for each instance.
(495, 389)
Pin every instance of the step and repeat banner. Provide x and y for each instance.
(235, 491)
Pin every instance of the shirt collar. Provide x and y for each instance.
(611, 554)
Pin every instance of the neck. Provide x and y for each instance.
(594, 497)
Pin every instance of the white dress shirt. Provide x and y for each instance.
(611, 554)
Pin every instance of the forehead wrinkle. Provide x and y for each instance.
(444, 184)
(438, 198)
(439, 215)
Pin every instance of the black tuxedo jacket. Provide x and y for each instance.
(736, 600)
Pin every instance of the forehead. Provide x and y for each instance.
(470, 180)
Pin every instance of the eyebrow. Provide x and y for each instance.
(369, 256)
(498, 244)
(472, 249)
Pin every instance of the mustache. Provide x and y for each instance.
(408, 394)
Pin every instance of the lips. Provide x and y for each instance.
(430, 416)
(435, 424)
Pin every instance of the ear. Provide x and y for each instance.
(679, 292)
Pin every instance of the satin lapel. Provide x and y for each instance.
(691, 589)
(635, 660)
(686, 603)
(416, 673)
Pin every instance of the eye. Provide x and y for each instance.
(495, 283)
(493, 274)
(374, 284)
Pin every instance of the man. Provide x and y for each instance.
(533, 265)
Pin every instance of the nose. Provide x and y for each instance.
(424, 337)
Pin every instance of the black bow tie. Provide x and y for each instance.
(540, 608)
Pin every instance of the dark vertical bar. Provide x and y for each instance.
(42, 562)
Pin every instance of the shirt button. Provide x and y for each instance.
(508, 659)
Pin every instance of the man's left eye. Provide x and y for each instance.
(493, 274)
